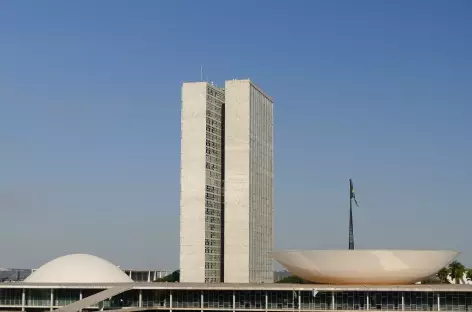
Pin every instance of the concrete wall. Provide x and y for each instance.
(237, 150)
(192, 183)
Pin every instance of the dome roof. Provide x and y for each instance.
(78, 268)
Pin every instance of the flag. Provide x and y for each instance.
(353, 194)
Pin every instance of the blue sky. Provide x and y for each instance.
(379, 91)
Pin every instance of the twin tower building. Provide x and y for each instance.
(226, 199)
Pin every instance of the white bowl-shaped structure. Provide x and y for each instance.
(78, 268)
(365, 266)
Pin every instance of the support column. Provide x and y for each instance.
(367, 301)
(149, 276)
(51, 304)
(234, 300)
(403, 301)
(23, 299)
(299, 301)
(266, 301)
(333, 301)
(201, 300)
(439, 302)
(170, 300)
(140, 300)
(80, 297)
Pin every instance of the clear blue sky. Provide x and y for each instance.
(379, 91)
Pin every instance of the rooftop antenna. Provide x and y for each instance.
(201, 72)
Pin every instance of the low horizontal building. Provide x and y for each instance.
(87, 283)
(236, 297)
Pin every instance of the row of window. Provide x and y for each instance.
(214, 123)
(213, 115)
(213, 258)
(213, 197)
(386, 301)
(213, 174)
(212, 227)
(215, 106)
(212, 212)
(213, 144)
(213, 235)
(212, 242)
(216, 93)
(212, 272)
(213, 167)
(212, 250)
(214, 204)
(212, 189)
(214, 220)
(213, 159)
(213, 129)
(214, 137)
(215, 101)
(212, 265)
(214, 152)
(214, 182)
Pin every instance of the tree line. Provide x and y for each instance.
(455, 270)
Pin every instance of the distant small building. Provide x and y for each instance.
(14, 275)
(151, 275)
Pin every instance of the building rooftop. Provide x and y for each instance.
(231, 286)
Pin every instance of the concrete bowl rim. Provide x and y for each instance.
(364, 250)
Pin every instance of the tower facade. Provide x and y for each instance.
(249, 203)
(226, 200)
(201, 183)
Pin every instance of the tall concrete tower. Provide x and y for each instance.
(201, 183)
(226, 218)
(249, 203)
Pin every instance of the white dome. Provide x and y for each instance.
(78, 268)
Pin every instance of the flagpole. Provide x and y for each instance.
(351, 225)
(351, 228)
